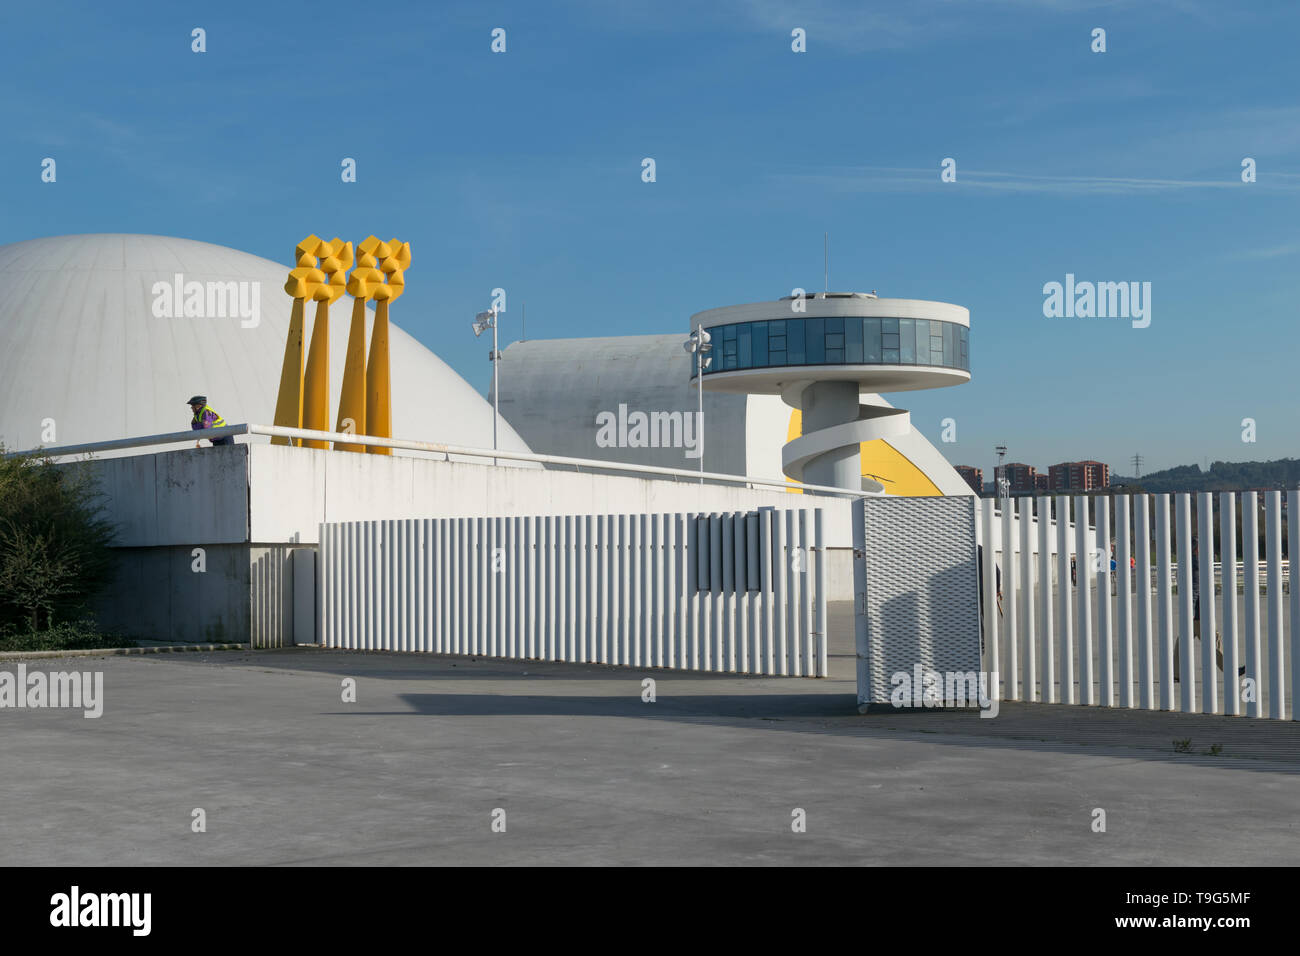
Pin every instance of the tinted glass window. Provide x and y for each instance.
(745, 348)
(871, 340)
(853, 341)
(907, 340)
(815, 340)
(760, 344)
(794, 343)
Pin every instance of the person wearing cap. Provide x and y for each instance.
(206, 417)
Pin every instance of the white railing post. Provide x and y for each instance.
(819, 541)
(1276, 668)
(1106, 649)
(1047, 644)
(1293, 559)
(1164, 603)
(1011, 666)
(1029, 659)
(1209, 625)
(1084, 563)
(1065, 599)
(988, 599)
(1146, 655)
(1250, 568)
(1228, 551)
(1186, 642)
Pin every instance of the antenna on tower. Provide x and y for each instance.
(826, 257)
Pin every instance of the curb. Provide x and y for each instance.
(121, 651)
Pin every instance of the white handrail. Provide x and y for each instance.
(281, 431)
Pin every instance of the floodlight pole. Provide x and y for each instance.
(496, 382)
(699, 388)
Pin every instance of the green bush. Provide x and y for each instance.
(54, 543)
(67, 636)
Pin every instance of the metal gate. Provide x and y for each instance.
(916, 586)
(741, 592)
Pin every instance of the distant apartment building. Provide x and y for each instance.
(1078, 476)
(1022, 477)
(972, 476)
(1042, 483)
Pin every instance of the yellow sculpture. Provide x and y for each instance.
(336, 259)
(394, 257)
(301, 285)
(365, 405)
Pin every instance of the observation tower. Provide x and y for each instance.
(828, 354)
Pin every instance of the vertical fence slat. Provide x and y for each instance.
(1185, 668)
(1124, 593)
(1029, 655)
(1085, 563)
(823, 625)
(1228, 551)
(1164, 603)
(1293, 560)
(988, 599)
(1105, 635)
(1145, 633)
(1046, 641)
(1065, 598)
(1010, 564)
(1250, 568)
(1273, 545)
(1208, 624)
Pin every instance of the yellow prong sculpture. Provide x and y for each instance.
(300, 286)
(361, 284)
(335, 260)
(379, 410)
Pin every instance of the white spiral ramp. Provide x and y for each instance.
(843, 441)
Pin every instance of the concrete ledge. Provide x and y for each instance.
(121, 651)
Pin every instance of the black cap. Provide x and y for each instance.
(198, 400)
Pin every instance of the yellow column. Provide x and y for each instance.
(361, 284)
(336, 259)
(393, 258)
(301, 286)
(352, 400)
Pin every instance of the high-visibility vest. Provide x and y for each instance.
(219, 423)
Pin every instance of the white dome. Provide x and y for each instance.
(80, 345)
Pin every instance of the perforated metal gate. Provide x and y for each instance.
(916, 587)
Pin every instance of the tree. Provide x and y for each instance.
(54, 541)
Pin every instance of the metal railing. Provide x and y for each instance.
(438, 448)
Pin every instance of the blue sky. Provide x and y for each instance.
(522, 170)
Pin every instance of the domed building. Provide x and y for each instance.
(95, 344)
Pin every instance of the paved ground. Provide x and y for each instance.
(586, 772)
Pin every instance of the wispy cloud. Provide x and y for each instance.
(903, 179)
(1268, 252)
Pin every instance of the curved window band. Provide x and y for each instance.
(839, 340)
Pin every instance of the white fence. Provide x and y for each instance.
(1056, 641)
(737, 592)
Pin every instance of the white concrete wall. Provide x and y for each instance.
(292, 490)
(195, 496)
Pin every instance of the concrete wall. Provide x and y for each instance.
(292, 490)
(193, 496)
(250, 506)
(157, 595)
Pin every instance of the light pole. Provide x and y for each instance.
(482, 322)
(699, 343)
(998, 491)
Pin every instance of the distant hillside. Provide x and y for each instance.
(1222, 476)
